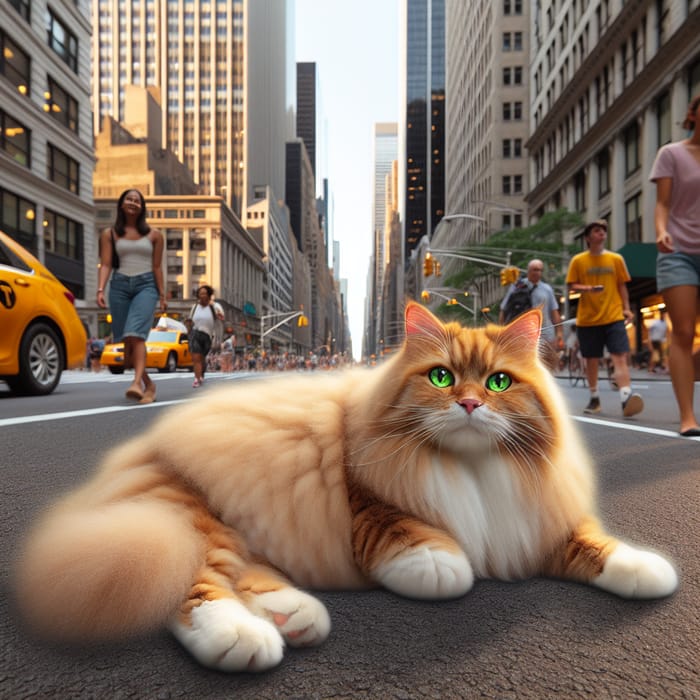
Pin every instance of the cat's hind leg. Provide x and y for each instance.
(591, 556)
(240, 612)
(213, 623)
(299, 617)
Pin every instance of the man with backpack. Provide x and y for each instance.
(530, 292)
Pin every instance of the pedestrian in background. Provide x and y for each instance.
(204, 315)
(657, 342)
(601, 276)
(132, 252)
(676, 172)
(540, 294)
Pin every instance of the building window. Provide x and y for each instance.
(174, 265)
(199, 265)
(517, 184)
(17, 219)
(198, 243)
(15, 139)
(506, 76)
(173, 242)
(517, 110)
(507, 114)
(14, 64)
(633, 219)
(506, 184)
(694, 80)
(603, 161)
(63, 170)
(506, 221)
(61, 106)
(517, 41)
(22, 6)
(174, 290)
(506, 148)
(63, 236)
(512, 7)
(580, 191)
(507, 41)
(663, 119)
(631, 149)
(663, 18)
(62, 41)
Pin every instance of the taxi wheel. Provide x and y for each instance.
(171, 364)
(40, 362)
(116, 370)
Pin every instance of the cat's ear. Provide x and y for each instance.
(525, 327)
(420, 322)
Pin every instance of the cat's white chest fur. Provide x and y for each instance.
(483, 506)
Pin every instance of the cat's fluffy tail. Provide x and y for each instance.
(97, 572)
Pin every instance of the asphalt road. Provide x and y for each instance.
(531, 639)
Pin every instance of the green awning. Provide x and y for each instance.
(640, 259)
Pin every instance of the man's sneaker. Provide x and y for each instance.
(593, 405)
(633, 405)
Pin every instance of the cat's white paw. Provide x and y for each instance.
(427, 573)
(636, 573)
(300, 618)
(226, 636)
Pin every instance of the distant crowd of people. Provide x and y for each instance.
(226, 361)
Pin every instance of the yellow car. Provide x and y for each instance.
(41, 333)
(167, 349)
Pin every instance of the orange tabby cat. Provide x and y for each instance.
(454, 460)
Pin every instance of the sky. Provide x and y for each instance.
(355, 48)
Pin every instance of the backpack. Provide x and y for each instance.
(519, 301)
(213, 312)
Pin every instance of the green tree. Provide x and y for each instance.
(544, 239)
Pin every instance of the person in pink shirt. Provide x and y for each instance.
(676, 172)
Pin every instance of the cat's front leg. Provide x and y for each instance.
(406, 555)
(591, 556)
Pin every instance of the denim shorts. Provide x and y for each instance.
(132, 303)
(593, 339)
(674, 269)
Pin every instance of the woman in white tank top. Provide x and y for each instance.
(132, 252)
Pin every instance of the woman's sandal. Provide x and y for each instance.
(149, 395)
(133, 392)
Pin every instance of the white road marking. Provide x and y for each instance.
(633, 427)
(20, 420)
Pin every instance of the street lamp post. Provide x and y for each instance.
(288, 316)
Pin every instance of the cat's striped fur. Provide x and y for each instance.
(209, 520)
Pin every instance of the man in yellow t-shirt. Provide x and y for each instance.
(601, 277)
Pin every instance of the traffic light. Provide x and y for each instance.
(425, 296)
(438, 271)
(302, 321)
(428, 266)
(509, 275)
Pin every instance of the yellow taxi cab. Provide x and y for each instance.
(167, 349)
(41, 333)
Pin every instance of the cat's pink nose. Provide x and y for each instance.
(470, 404)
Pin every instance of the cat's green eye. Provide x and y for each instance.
(441, 377)
(499, 381)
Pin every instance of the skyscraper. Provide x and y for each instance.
(385, 153)
(218, 103)
(306, 109)
(422, 124)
